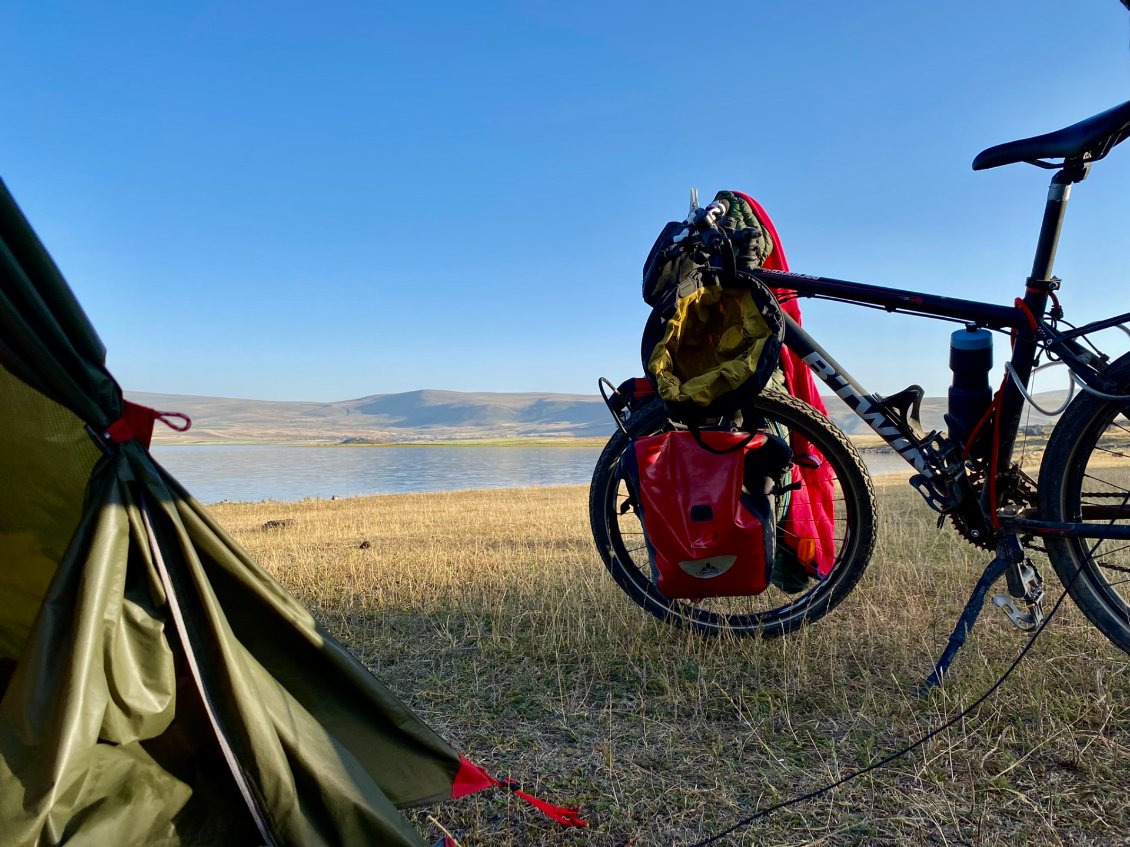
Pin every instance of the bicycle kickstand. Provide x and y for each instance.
(1009, 552)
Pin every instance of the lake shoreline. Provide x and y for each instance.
(291, 473)
(864, 444)
(518, 441)
(288, 473)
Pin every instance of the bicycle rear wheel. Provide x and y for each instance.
(1085, 478)
(619, 535)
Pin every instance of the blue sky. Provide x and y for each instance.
(283, 201)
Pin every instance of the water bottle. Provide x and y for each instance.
(971, 359)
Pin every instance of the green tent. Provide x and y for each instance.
(158, 687)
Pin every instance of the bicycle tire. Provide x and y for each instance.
(1086, 467)
(618, 532)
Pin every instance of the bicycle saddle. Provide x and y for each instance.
(1092, 139)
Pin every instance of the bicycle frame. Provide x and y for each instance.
(968, 475)
(1029, 334)
(1016, 320)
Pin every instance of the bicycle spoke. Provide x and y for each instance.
(1112, 567)
(772, 611)
(1092, 507)
(1116, 550)
(1118, 582)
(1086, 478)
(1116, 491)
(1121, 426)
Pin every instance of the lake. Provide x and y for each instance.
(269, 472)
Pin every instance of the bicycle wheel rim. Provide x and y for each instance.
(1097, 491)
(773, 612)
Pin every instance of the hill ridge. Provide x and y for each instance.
(419, 415)
(435, 415)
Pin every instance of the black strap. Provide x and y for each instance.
(717, 242)
(610, 403)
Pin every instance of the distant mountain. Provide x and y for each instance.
(435, 416)
(411, 416)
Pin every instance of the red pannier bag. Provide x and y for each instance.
(708, 508)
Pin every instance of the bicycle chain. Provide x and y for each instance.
(1019, 491)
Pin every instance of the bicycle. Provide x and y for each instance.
(1077, 506)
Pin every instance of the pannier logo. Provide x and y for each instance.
(708, 568)
(704, 542)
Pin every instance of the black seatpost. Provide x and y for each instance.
(1058, 193)
(1040, 284)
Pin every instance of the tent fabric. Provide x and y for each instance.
(35, 522)
(167, 690)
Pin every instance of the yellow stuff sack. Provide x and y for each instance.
(716, 349)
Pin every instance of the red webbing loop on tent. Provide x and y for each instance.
(136, 423)
(472, 778)
(564, 815)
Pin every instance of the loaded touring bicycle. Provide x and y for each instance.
(1076, 508)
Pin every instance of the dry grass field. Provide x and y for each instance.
(491, 615)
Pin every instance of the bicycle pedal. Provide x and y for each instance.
(1024, 616)
(935, 499)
